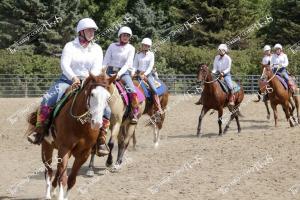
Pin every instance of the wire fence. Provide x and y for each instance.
(24, 85)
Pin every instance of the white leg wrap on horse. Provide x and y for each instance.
(48, 187)
(61, 192)
(156, 136)
(66, 195)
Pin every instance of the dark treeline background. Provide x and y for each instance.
(179, 48)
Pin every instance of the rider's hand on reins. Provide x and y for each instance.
(76, 82)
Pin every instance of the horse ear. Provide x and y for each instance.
(112, 79)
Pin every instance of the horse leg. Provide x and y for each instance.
(63, 153)
(274, 107)
(121, 144)
(47, 151)
(268, 110)
(296, 100)
(203, 112)
(112, 141)
(287, 113)
(220, 114)
(80, 159)
(229, 122)
(134, 141)
(238, 123)
(90, 171)
(155, 135)
(296, 106)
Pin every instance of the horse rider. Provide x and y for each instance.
(279, 62)
(222, 65)
(143, 66)
(119, 59)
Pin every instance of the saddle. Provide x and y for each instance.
(224, 86)
(125, 95)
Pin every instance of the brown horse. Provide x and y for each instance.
(156, 119)
(76, 129)
(280, 95)
(213, 97)
(264, 90)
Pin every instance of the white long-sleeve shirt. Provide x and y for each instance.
(266, 59)
(120, 56)
(280, 60)
(79, 61)
(144, 62)
(222, 64)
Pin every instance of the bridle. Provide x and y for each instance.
(204, 81)
(86, 116)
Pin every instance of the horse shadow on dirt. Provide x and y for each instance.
(207, 135)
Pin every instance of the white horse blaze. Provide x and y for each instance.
(98, 101)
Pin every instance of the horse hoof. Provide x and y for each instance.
(108, 164)
(53, 191)
(115, 168)
(48, 198)
(90, 173)
(155, 145)
(268, 117)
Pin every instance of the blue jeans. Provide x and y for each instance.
(282, 72)
(151, 82)
(228, 80)
(57, 90)
(129, 86)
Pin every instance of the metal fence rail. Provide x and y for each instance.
(24, 85)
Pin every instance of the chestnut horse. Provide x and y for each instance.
(280, 95)
(213, 97)
(76, 130)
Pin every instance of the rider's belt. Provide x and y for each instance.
(114, 69)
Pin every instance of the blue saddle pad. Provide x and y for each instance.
(160, 90)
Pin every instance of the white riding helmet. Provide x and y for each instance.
(125, 29)
(278, 46)
(147, 41)
(223, 47)
(86, 23)
(267, 48)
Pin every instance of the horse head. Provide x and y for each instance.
(96, 91)
(267, 72)
(203, 72)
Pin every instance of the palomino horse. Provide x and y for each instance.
(213, 97)
(76, 130)
(118, 109)
(280, 95)
(127, 129)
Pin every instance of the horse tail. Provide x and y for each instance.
(31, 120)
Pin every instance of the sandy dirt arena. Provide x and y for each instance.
(262, 162)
